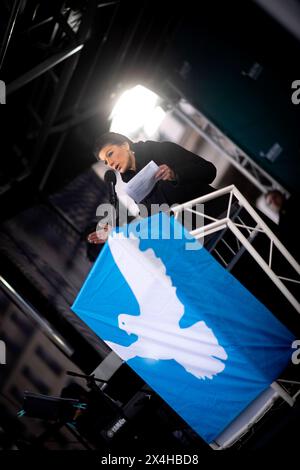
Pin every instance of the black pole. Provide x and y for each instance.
(48, 64)
(9, 30)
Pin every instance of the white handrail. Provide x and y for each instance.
(219, 224)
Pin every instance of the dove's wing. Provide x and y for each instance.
(125, 352)
(146, 275)
(199, 351)
(205, 368)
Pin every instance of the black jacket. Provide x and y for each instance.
(193, 173)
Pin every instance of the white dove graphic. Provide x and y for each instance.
(159, 335)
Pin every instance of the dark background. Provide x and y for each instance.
(56, 105)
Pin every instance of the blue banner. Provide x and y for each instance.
(201, 340)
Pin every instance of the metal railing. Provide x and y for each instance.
(237, 226)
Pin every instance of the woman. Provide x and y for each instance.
(181, 176)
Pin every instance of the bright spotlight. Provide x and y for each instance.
(136, 109)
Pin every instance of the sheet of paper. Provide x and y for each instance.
(143, 182)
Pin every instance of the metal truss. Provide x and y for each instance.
(245, 224)
(210, 132)
(65, 35)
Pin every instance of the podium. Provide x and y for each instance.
(186, 325)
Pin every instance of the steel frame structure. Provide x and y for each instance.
(230, 150)
(52, 78)
(237, 227)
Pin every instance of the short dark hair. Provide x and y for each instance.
(110, 138)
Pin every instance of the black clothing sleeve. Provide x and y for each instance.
(188, 167)
(193, 173)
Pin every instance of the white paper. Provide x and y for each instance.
(143, 182)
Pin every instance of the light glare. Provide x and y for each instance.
(133, 110)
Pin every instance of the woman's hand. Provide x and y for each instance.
(165, 173)
(100, 235)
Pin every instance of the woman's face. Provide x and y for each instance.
(117, 157)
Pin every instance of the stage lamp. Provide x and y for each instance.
(137, 110)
